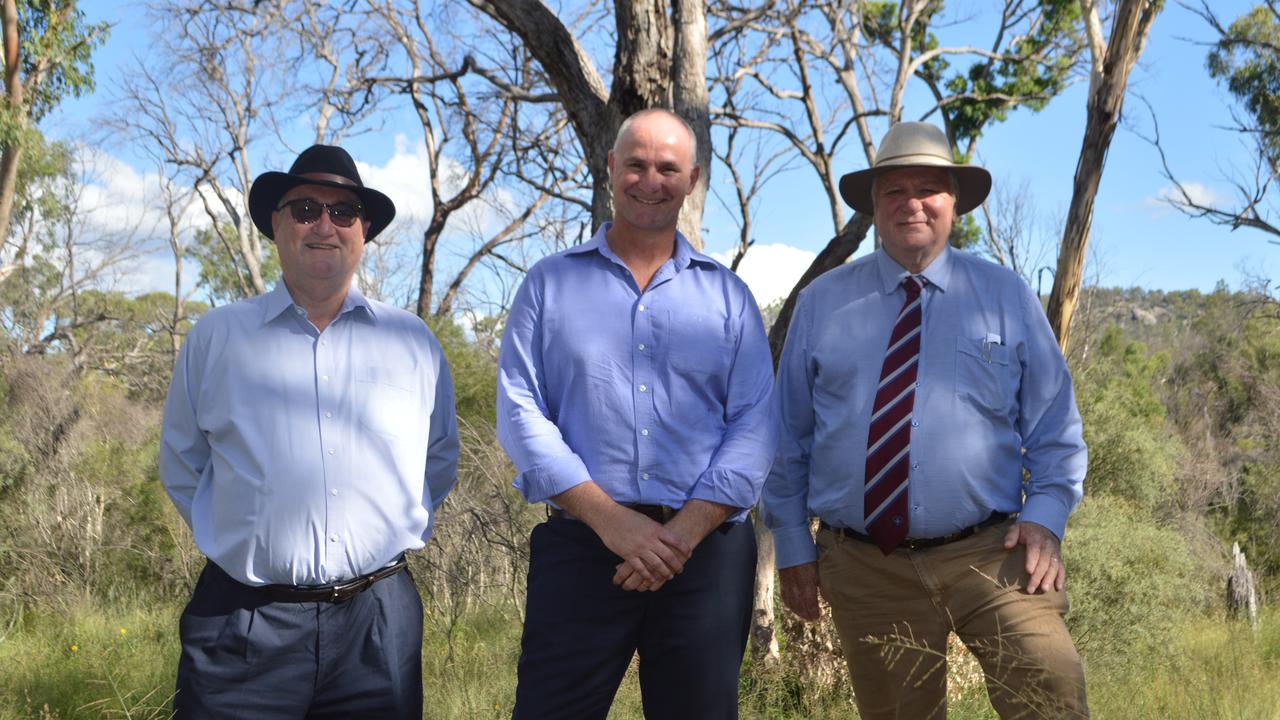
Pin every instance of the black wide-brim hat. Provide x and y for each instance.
(327, 166)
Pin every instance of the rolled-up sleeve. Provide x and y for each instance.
(739, 465)
(786, 493)
(1052, 435)
(184, 449)
(545, 464)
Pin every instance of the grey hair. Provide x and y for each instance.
(952, 181)
(626, 125)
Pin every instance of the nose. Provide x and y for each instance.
(324, 225)
(650, 179)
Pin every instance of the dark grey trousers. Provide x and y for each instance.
(244, 656)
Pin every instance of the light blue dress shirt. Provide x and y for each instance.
(659, 396)
(303, 457)
(991, 384)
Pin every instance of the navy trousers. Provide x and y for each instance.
(580, 631)
(244, 656)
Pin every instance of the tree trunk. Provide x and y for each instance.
(839, 249)
(764, 638)
(1242, 593)
(15, 106)
(1129, 32)
(690, 99)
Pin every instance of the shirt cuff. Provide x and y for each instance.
(794, 546)
(727, 487)
(538, 484)
(1045, 510)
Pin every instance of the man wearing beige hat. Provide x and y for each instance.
(929, 424)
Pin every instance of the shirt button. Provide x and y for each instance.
(641, 308)
(333, 538)
(915, 466)
(324, 378)
(328, 414)
(331, 451)
(644, 388)
(644, 476)
(324, 342)
(640, 346)
(334, 492)
(915, 423)
(645, 432)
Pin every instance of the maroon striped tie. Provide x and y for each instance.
(884, 500)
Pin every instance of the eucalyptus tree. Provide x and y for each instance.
(47, 49)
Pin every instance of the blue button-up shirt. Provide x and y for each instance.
(659, 396)
(991, 383)
(304, 457)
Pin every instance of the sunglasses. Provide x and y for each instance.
(306, 211)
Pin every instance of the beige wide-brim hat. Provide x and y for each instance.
(916, 144)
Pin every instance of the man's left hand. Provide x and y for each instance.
(1044, 556)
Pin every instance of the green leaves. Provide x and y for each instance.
(1247, 57)
(56, 56)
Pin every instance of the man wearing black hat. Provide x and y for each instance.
(308, 438)
(928, 422)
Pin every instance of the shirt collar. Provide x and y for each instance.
(279, 300)
(683, 257)
(891, 273)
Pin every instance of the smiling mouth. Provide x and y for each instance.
(321, 246)
(643, 201)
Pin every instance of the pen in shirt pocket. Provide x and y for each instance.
(987, 342)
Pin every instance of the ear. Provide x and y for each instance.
(275, 224)
(693, 178)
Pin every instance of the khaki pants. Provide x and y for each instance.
(893, 614)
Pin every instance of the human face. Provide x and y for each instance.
(914, 213)
(651, 171)
(318, 258)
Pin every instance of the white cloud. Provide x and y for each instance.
(771, 271)
(1199, 194)
(405, 179)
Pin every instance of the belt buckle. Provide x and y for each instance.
(346, 590)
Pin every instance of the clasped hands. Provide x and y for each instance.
(652, 553)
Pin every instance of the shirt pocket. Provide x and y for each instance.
(986, 375)
(699, 357)
(387, 400)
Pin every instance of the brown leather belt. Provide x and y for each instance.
(994, 518)
(331, 593)
(657, 513)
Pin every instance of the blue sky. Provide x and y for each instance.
(1136, 241)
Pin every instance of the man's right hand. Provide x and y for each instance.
(800, 590)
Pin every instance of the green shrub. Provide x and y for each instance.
(1132, 455)
(1130, 577)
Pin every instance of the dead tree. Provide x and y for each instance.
(1112, 62)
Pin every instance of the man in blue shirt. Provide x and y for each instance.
(916, 386)
(308, 439)
(633, 397)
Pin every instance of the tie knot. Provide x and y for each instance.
(913, 284)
